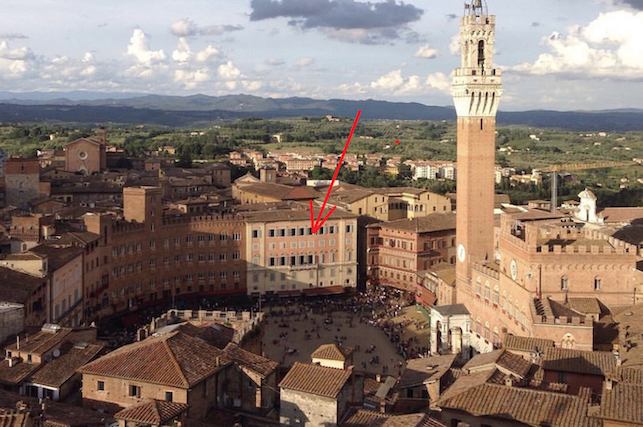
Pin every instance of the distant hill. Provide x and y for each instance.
(197, 110)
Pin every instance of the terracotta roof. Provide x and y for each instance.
(585, 305)
(15, 418)
(268, 189)
(525, 406)
(16, 374)
(621, 214)
(513, 342)
(513, 363)
(624, 402)
(444, 271)
(25, 256)
(630, 374)
(58, 414)
(212, 333)
(16, 286)
(348, 196)
(61, 369)
(259, 364)
(369, 418)
(362, 418)
(410, 420)
(501, 359)
(578, 361)
(292, 215)
(40, 342)
(152, 412)
(425, 224)
(78, 237)
(465, 382)
(632, 234)
(451, 310)
(58, 256)
(173, 359)
(332, 352)
(425, 370)
(315, 379)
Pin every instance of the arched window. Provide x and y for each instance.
(597, 283)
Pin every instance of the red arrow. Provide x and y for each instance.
(316, 225)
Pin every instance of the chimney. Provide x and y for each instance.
(508, 381)
(18, 342)
(609, 384)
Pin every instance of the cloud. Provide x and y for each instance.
(228, 71)
(608, 47)
(439, 81)
(454, 46)
(426, 51)
(139, 49)
(187, 28)
(12, 36)
(208, 54)
(19, 54)
(395, 83)
(344, 20)
(636, 4)
(182, 53)
(275, 62)
(305, 62)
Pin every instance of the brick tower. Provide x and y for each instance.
(476, 93)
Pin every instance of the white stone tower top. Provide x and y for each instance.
(477, 84)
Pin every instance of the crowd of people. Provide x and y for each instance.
(378, 307)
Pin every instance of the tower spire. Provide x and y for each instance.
(476, 7)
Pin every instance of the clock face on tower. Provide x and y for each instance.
(462, 253)
(514, 269)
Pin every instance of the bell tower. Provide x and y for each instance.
(476, 92)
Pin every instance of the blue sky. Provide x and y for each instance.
(555, 54)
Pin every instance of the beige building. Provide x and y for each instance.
(285, 257)
(65, 299)
(316, 396)
(171, 367)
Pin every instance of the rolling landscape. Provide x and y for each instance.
(201, 110)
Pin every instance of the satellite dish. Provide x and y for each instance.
(56, 353)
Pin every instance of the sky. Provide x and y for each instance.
(554, 54)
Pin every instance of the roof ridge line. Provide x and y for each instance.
(174, 361)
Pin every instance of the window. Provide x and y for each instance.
(564, 283)
(597, 284)
(255, 234)
(168, 396)
(134, 391)
(236, 236)
(100, 385)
